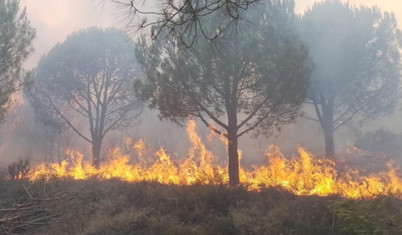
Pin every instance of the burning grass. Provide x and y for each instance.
(301, 175)
(129, 195)
(118, 207)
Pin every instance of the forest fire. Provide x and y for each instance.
(303, 175)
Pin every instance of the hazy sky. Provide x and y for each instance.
(55, 19)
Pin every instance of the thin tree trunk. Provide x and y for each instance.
(328, 129)
(96, 148)
(233, 159)
(329, 142)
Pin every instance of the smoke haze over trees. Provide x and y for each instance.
(88, 78)
(356, 53)
(23, 137)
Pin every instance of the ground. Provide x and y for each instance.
(115, 207)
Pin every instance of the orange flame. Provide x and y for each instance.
(303, 175)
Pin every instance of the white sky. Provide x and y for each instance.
(55, 19)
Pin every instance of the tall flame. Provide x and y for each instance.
(302, 175)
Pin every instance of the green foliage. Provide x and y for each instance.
(16, 37)
(259, 74)
(380, 216)
(19, 169)
(254, 82)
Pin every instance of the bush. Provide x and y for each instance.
(381, 141)
(379, 216)
(19, 170)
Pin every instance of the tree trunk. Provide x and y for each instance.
(233, 158)
(329, 142)
(96, 148)
(328, 129)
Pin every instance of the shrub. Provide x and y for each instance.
(381, 141)
(19, 170)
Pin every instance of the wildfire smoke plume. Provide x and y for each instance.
(301, 175)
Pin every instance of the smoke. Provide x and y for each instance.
(23, 137)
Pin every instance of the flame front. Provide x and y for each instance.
(302, 175)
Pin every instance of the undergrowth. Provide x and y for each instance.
(115, 207)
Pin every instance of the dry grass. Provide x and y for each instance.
(115, 207)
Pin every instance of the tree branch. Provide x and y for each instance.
(210, 126)
(66, 120)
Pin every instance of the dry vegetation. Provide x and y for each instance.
(115, 207)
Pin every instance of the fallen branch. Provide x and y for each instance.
(26, 190)
(9, 219)
(22, 217)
